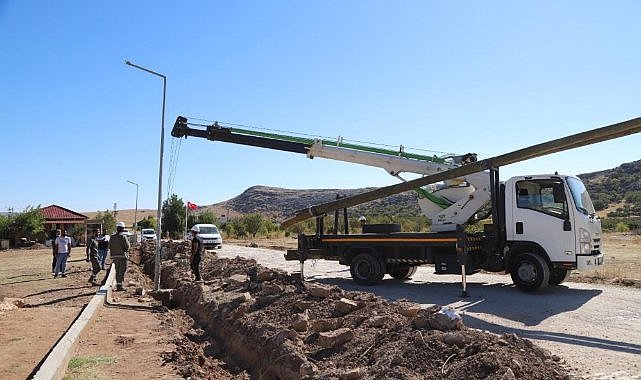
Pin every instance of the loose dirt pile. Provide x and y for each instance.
(275, 326)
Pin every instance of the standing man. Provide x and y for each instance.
(362, 220)
(92, 253)
(119, 250)
(196, 252)
(63, 244)
(103, 248)
(54, 248)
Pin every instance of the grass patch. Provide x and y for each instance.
(16, 339)
(89, 361)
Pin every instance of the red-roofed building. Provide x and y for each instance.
(57, 217)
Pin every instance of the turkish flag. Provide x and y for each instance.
(191, 206)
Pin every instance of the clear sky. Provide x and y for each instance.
(468, 76)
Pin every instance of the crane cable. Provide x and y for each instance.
(173, 163)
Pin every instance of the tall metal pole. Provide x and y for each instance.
(136, 209)
(162, 145)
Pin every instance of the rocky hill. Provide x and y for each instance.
(619, 185)
(280, 203)
(607, 187)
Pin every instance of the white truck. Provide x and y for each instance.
(542, 226)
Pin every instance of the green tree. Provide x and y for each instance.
(237, 228)
(206, 217)
(621, 227)
(173, 216)
(108, 221)
(5, 226)
(253, 223)
(148, 222)
(30, 222)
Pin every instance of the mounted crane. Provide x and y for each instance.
(542, 226)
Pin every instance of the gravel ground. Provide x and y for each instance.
(596, 328)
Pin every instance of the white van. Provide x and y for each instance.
(148, 234)
(210, 235)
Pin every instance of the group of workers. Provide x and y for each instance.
(117, 245)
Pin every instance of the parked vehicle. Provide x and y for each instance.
(211, 236)
(148, 234)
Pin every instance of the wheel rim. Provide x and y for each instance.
(363, 269)
(527, 272)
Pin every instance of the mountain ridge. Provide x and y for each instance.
(616, 187)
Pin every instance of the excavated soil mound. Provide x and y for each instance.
(275, 326)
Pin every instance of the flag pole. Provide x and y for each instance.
(186, 207)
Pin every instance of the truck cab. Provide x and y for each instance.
(551, 227)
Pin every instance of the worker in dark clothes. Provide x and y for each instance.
(119, 251)
(196, 252)
(92, 253)
(362, 220)
(54, 248)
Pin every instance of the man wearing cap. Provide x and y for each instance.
(196, 252)
(119, 251)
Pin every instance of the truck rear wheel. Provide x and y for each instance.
(558, 275)
(366, 269)
(403, 273)
(530, 272)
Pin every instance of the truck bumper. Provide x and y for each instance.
(589, 262)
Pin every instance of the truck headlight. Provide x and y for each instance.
(584, 236)
(585, 248)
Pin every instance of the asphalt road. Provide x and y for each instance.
(595, 328)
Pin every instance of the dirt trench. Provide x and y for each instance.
(266, 324)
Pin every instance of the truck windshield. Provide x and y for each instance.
(208, 230)
(148, 232)
(580, 195)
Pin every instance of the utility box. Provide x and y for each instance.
(4, 243)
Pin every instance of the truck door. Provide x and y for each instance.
(540, 214)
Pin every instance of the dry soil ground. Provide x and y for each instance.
(143, 338)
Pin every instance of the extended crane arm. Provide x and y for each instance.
(453, 203)
(394, 162)
(215, 132)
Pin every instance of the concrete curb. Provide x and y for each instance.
(55, 365)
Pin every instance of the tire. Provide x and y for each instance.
(558, 276)
(366, 269)
(403, 273)
(530, 272)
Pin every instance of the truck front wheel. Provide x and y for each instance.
(366, 269)
(403, 273)
(530, 272)
(558, 275)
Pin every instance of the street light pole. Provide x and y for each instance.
(162, 144)
(136, 210)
